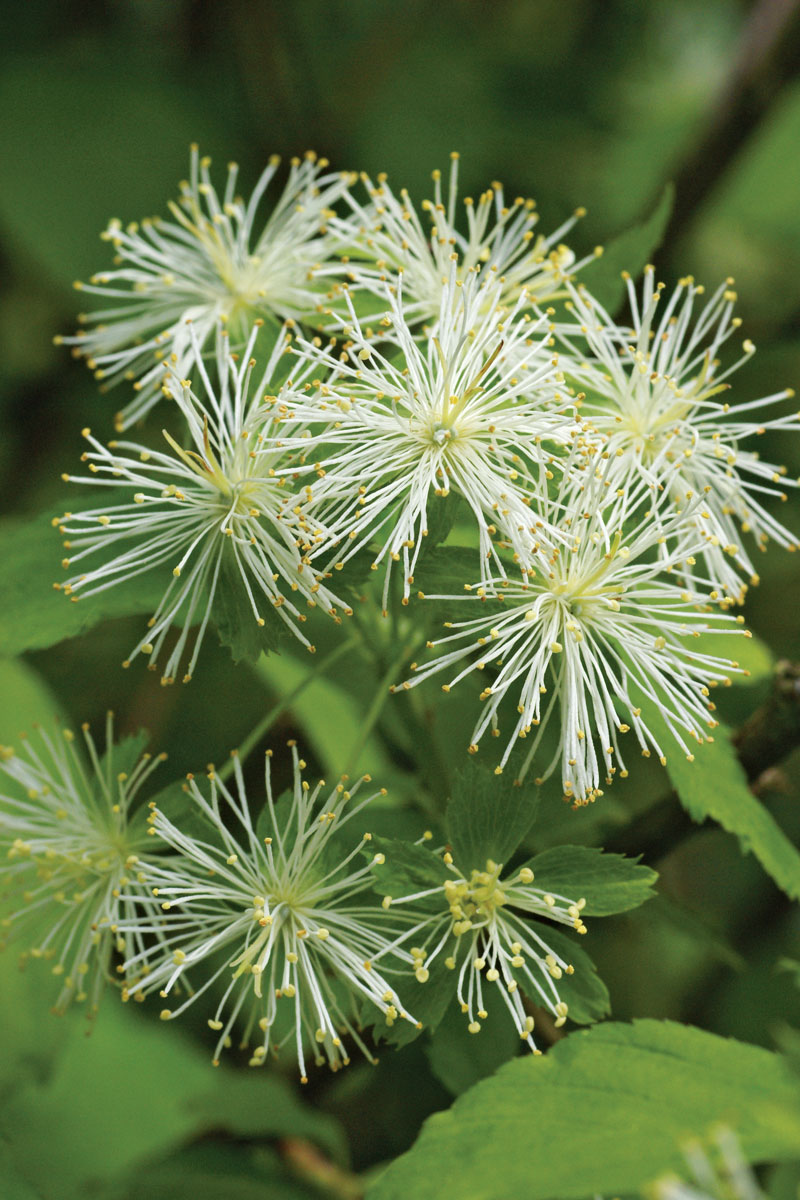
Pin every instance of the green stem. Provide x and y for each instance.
(379, 700)
(255, 735)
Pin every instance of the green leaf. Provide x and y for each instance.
(584, 992)
(175, 801)
(25, 700)
(609, 883)
(632, 1094)
(715, 785)
(791, 966)
(488, 816)
(33, 615)
(310, 694)
(442, 514)
(170, 1093)
(15, 1186)
(407, 868)
(425, 1002)
(236, 622)
(459, 1058)
(445, 571)
(752, 655)
(631, 251)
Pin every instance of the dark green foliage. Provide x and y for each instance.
(488, 816)
(632, 1093)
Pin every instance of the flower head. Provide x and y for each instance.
(716, 1171)
(654, 393)
(230, 502)
(208, 263)
(591, 628)
(474, 409)
(72, 849)
(482, 930)
(282, 902)
(387, 237)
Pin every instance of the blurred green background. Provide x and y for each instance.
(571, 101)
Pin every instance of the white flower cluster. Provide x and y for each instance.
(715, 1170)
(607, 492)
(71, 844)
(279, 916)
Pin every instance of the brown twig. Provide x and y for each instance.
(767, 59)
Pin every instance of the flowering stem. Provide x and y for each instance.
(266, 723)
(307, 1161)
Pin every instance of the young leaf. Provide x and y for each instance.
(609, 883)
(633, 1093)
(630, 251)
(488, 816)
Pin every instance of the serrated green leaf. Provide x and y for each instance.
(33, 615)
(407, 868)
(630, 251)
(445, 571)
(488, 816)
(425, 1002)
(583, 992)
(715, 785)
(609, 883)
(235, 621)
(459, 1058)
(633, 1094)
(443, 511)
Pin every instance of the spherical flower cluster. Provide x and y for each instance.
(653, 392)
(280, 911)
(205, 265)
(483, 933)
(231, 501)
(385, 237)
(71, 840)
(592, 628)
(601, 491)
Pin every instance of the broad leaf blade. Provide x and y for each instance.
(609, 883)
(584, 992)
(633, 1094)
(459, 1058)
(488, 816)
